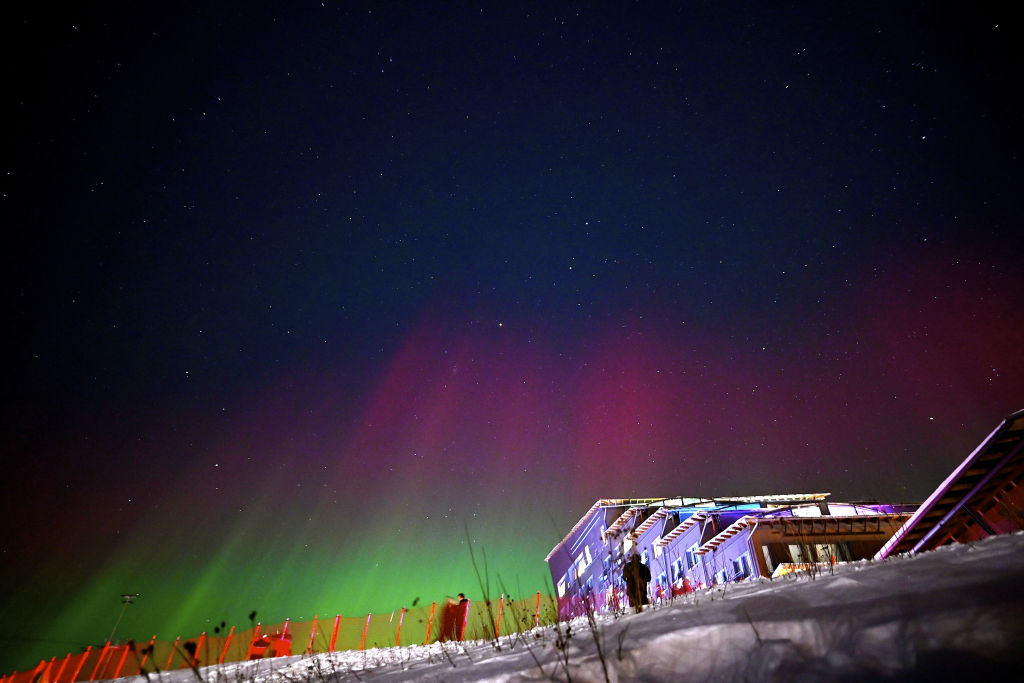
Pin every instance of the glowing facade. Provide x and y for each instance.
(689, 543)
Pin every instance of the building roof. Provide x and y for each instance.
(997, 463)
(808, 526)
(727, 533)
(600, 504)
(635, 506)
(681, 529)
(623, 519)
(649, 522)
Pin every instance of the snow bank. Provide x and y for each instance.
(955, 611)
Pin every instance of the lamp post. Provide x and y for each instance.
(126, 599)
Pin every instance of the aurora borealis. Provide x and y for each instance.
(300, 299)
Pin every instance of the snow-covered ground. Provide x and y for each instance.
(954, 613)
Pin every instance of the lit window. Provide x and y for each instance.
(677, 569)
(800, 552)
(827, 552)
(741, 567)
(692, 557)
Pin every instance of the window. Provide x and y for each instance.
(692, 557)
(583, 561)
(643, 557)
(561, 588)
(800, 552)
(741, 567)
(819, 552)
(842, 552)
(677, 570)
(833, 552)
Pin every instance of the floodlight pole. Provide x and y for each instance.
(126, 599)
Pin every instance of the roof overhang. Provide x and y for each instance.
(601, 504)
(682, 528)
(727, 533)
(995, 463)
(635, 505)
(806, 527)
(643, 526)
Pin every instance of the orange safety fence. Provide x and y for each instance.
(423, 624)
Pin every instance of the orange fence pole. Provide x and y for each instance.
(334, 634)
(48, 670)
(148, 651)
(536, 620)
(312, 632)
(120, 664)
(398, 633)
(282, 642)
(78, 668)
(103, 655)
(497, 625)
(62, 665)
(199, 649)
(252, 643)
(430, 622)
(362, 644)
(224, 652)
(170, 657)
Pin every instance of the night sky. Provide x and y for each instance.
(300, 302)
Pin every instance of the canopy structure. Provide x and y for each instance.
(982, 497)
